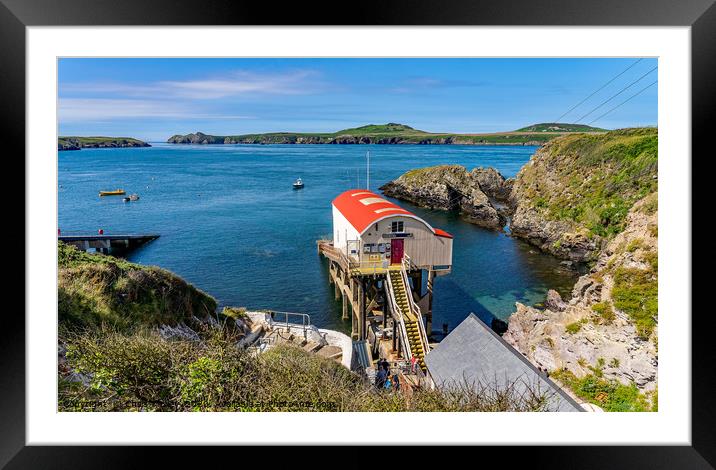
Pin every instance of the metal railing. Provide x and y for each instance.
(305, 324)
(417, 312)
(402, 328)
(370, 267)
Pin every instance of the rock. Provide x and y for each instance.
(180, 332)
(554, 236)
(452, 187)
(492, 183)
(543, 338)
(554, 301)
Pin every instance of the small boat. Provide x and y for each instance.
(126, 199)
(116, 192)
(298, 184)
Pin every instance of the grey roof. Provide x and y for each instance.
(474, 353)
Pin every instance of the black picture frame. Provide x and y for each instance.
(700, 15)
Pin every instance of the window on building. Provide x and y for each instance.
(396, 227)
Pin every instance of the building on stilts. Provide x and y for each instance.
(382, 261)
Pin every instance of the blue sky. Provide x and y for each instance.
(153, 99)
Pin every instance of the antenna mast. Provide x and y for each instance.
(367, 170)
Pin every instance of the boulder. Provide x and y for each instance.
(554, 301)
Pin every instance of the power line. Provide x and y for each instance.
(616, 94)
(598, 90)
(623, 102)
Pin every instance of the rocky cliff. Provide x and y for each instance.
(573, 195)
(608, 328)
(476, 194)
(77, 143)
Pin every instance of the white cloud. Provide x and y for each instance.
(233, 84)
(98, 109)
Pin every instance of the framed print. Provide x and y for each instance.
(446, 224)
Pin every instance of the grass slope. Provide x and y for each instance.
(560, 127)
(593, 180)
(96, 290)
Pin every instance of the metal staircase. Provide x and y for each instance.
(408, 315)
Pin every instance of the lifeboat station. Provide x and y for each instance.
(382, 262)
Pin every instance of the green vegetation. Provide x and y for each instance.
(634, 245)
(76, 143)
(560, 127)
(605, 312)
(234, 312)
(375, 129)
(573, 328)
(610, 395)
(594, 179)
(391, 133)
(96, 290)
(144, 372)
(116, 359)
(635, 293)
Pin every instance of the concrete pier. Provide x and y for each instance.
(108, 244)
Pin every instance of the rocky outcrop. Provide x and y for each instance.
(67, 145)
(77, 143)
(196, 138)
(595, 330)
(452, 187)
(557, 237)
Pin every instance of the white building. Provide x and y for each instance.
(373, 231)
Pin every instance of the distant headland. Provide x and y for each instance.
(393, 133)
(77, 143)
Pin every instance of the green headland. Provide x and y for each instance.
(393, 133)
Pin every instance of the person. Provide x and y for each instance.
(396, 381)
(380, 377)
(388, 384)
(413, 361)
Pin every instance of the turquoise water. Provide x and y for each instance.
(232, 225)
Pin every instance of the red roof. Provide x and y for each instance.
(362, 208)
(442, 233)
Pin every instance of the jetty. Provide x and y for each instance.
(111, 244)
(382, 262)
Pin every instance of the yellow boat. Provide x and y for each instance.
(116, 192)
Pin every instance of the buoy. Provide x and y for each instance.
(100, 231)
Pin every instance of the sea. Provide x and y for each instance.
(231, 223)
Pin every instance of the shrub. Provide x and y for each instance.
(143, 372)
(610, 395)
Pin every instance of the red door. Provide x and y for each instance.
(396, 250)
